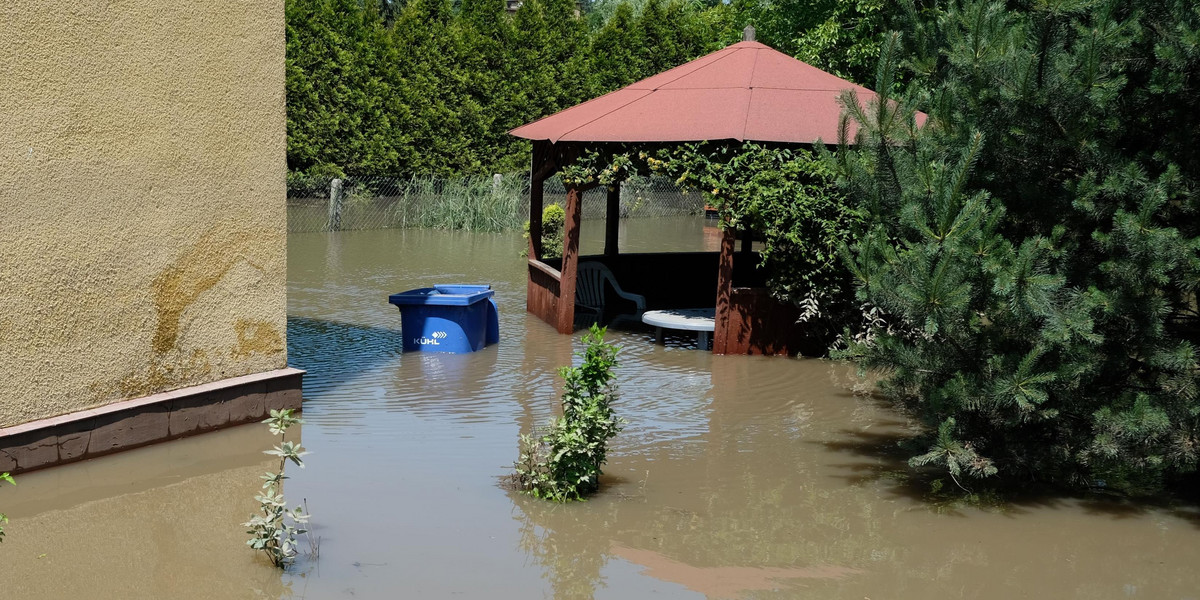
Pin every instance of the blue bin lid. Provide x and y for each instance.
(442, 295)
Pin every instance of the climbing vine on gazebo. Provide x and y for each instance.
(786, 197)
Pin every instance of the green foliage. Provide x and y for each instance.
(847, 42)
(422, 88)
(3, 517)
(838, 36)
(273, 531)
(1034, 248)
(554, 220)
(563, 462)
(786, 197)
(345, 99)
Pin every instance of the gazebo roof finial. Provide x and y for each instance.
(748, 34)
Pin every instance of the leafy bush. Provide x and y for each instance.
(790, 199)
(554, 219)
(270, 530)
(563, 463)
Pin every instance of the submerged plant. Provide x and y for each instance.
(3, 517)
(563, 462)
(270, 530)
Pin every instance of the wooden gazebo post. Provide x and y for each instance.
(550, 293)
(570, 260)
(721, 324)
(541, 166)
(536, 201)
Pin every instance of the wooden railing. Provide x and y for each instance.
(542, 293)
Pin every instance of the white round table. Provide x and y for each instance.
(700, 320)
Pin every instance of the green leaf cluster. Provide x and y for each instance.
(562, 463)
(1034, 248)
(838, 36)
(786, 197)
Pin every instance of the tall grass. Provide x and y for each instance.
(472, 202)
(468, 202)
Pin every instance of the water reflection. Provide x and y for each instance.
(736, 477)
(570, 554)
(157, 522)
(324, 345)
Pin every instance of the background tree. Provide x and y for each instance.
(340, 74)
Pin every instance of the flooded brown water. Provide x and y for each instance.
(736, 477)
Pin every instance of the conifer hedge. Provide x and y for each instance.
(433, 86)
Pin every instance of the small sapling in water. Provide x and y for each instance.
(563, 461)
(274, 529)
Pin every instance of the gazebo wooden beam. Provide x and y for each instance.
(541, 166)
(551, 292)
(536, 202)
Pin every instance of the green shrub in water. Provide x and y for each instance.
(554, 219)
(3, 518)
(563, 462)
(270, 530)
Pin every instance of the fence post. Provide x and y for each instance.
(335, 205)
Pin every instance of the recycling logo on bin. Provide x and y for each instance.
(432, 340)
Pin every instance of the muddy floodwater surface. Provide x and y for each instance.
(735, 477)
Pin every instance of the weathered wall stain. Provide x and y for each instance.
(257, 337)
(179, 287)
(192, 274)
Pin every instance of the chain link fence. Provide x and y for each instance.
(473, 202)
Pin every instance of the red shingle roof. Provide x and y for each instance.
(747, 91)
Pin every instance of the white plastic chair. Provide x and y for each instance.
(589, 287)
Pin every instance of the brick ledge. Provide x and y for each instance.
(141, 421)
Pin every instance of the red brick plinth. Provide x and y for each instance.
(141, 421)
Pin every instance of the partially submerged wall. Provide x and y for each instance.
(143, 218)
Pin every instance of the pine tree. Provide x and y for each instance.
(1034, 245)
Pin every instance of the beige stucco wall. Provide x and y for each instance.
(142, 199)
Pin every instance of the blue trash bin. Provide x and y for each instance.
(448, 318)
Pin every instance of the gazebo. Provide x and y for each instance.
(745, 92)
